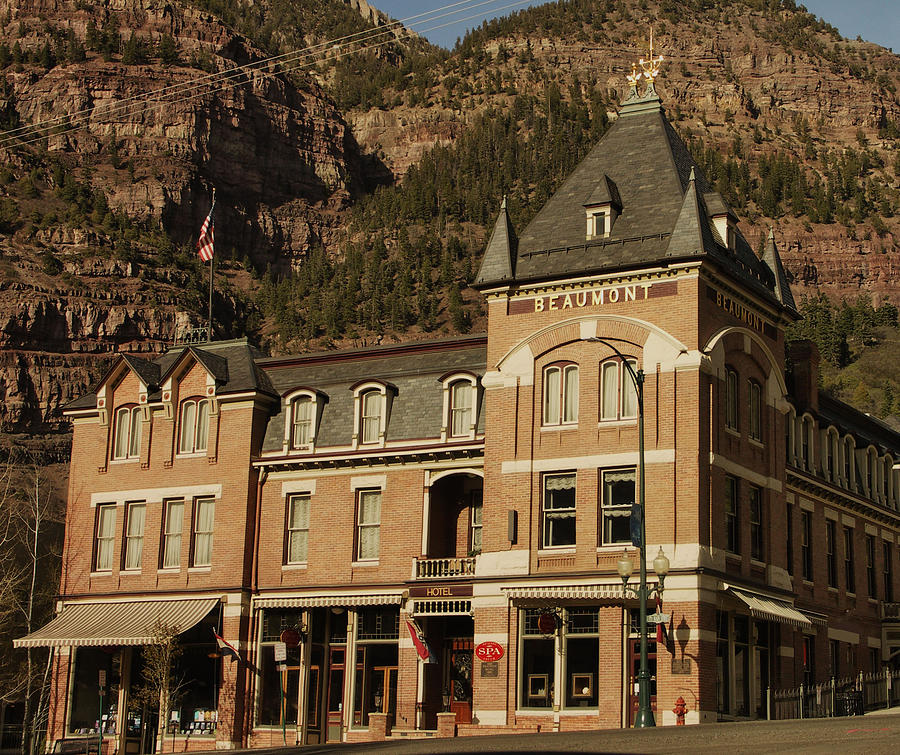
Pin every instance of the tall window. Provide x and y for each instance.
(830, 555)
(790, 539)
(462, 394)
(617, 499)
(805, 433)
(806, 566)
(756, 523)
(871, 579)
(848, 461)
(731, 399)
(370, 416)
(127, 440)
(475, 522)
(173, 525)
(204, 517)
(559, 510)
(368, 524)
(298, 529)
(303, 410)
(830, 441)
(193, 435)
(849, 574)
(732, 530)
(755, 410)
(561, 394)
(134, 535)
(618, 399)
(106, 533)
(887, 565)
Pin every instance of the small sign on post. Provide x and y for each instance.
(280, 652)
(102, 678)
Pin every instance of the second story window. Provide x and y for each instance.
(732, 518)
(849, 573)
(302, 417)
(806, 566)
(830, 555)
(871, 579)
(561, 394)
(462, 402)
(134, 535)
(173, 524)
(193, 433)
(297, 529)
(558, 528)
(204, 518)
(127, 433)
(370, 417)
(618, 394)
(731, 399)
(756, 523)
(617, 499)
(756, 410)
(106, 537)
(368, 525)
(887, 565)
(475, 522)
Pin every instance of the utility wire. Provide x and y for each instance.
(332, 50)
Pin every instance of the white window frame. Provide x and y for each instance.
(848, 457)
(449, 429)
(549, 515)
(295, 532)
(608, 510)
(372, 524)
(127, 429)
(201, 556)
(169, 535)
(194, 424)
(135, 529)
(624, 388)
(476, 521)
(105, 541)
(565, 411)
(384, 396)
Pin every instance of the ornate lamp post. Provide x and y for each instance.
(625, 567)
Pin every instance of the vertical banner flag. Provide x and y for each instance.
(662, 631)
(205, 242)
(225, 647)
(637, 518)
(420, 643)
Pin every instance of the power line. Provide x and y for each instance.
(332, 50)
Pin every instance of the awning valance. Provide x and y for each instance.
(770, 608)
(117, 622)
(326, 601)
(565, 592)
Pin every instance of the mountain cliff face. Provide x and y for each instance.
(797, 126)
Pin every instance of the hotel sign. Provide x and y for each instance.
(575, 298)
(741, 311)
(440, 591)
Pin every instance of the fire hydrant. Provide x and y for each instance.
(679, 710)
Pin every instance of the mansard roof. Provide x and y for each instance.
(498, 263)
(413, 369)
(664, 213)
(773, 260)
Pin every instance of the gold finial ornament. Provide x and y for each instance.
(634, 77)
(650, 67)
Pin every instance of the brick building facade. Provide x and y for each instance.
(371, 507)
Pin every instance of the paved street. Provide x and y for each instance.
(865, 734)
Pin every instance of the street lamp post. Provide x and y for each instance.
(644, 716)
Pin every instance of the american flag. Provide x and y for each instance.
(206, 240)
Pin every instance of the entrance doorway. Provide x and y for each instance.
(458, 669)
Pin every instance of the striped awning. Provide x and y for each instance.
(325, 601)
(565, 592)
(770, 608)
(118, 622)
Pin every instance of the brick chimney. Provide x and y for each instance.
(804, 357)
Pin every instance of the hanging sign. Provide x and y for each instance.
(546, 623)
(290, 637)
(488, 652)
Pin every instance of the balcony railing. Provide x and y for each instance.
(443, 568)
(890, 611)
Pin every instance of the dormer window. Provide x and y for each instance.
(302, 414)
(602, 208)
(460, 402)
(372, 402)
(303, 411)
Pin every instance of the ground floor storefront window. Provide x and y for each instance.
(86, 715)
(743, 661)
(572, 634)
(377, 635)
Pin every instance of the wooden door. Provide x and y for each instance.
(459, 678)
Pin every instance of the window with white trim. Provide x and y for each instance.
(561, 394)
(618, 393)
(127, 433)
(303, 413)
(756, 523)
(462, 405)
(204, 519)
(617, 493)
(173, 525)
(371, 405)
(475, 521)
(368, 524)
(297, 529)
(106, 537)
(134, 534)
(558, 514)
(849, 454)
(193, 426)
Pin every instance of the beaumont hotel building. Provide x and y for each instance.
(479, 489)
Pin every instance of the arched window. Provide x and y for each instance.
(731, 399)
(618, 394)
(302, 419)
(849, 451)
(806, 431)
(561, 394)
(193, 434)
(370, 416)
(462, 404)
(372, 400)
(127, 433)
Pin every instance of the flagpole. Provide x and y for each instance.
(212, 263)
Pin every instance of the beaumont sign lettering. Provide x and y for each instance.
(593, 298)
(742, 313)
